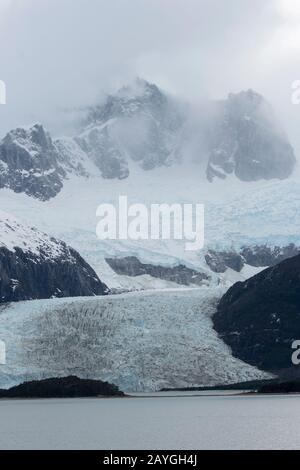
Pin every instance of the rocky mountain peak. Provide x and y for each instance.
(138, 97)
(248, 141)
(29, 163)
(31, 138)
(245, 101)
(140, 89)
(140, 123)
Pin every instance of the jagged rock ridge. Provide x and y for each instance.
(29, 163)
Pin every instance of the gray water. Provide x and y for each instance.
(162, 422)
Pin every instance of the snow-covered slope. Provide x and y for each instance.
(15, 235)
(253, 213)
(140, 341)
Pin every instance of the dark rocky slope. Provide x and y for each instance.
(24, 276)
(280, 387)
(132, 266)
(65, 387)
(260, 318)
(217, 261)
(35, 266)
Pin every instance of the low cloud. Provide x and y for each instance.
(58, 56)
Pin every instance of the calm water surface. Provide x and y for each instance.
(158, 422)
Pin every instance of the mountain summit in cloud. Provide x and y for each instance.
(141, 125)
(248, 141)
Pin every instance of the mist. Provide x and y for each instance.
(60, 56)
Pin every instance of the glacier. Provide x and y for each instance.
(251, 213)
(139, 341)
(138, 145)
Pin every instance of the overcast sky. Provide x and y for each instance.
(60, 54)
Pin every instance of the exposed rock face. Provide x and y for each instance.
(29, 163)
(32, 163)
(64, 387)
(257, 256)
(247, 141)
(261, 255)
(220, 261)
(260, 318)
(131, 266)
(35, 266)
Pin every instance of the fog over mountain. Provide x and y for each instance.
(141, 126)
(66, 55)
